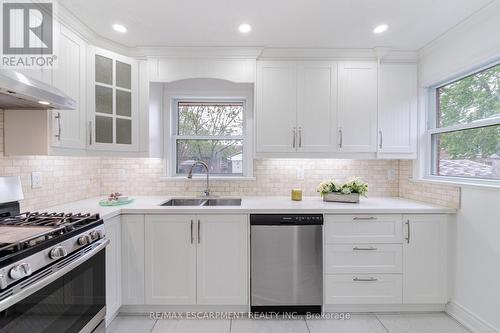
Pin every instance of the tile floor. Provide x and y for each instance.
(359, 323)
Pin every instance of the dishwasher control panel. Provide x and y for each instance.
(286, 219)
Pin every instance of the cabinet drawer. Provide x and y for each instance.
(364, 289)
(363, 258)
(349, 229)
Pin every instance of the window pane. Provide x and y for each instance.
(123, 103)
(472, 98)
(103, 129)
(123, 75)
(222, 156)
(222, 119)
(103, 99)
(472, 153)
(123, 131)
(103, 70)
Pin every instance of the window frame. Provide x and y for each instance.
(245, 137)
(432, 129)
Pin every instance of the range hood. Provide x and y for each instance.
(19, 92)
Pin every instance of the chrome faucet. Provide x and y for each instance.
(190, 175)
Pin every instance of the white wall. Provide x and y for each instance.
(475, 235)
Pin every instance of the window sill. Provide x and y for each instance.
(459, 182)
(204, 178)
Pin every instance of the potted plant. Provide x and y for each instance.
(349, 191)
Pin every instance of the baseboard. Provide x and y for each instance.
(149, 309)
(469, 319)
(377, 308)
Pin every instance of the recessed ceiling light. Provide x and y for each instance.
(119, 28)
(44, 102)
(245, 28)
(380, 28)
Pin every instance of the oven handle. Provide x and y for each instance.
(31, 289)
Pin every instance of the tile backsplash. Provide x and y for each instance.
(272, 177)
(443, 195)
(66, 179)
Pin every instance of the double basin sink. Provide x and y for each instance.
(201, 202)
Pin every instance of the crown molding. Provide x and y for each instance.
(483, 14)
(199, 52)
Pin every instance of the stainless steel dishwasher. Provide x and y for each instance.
(286, 263)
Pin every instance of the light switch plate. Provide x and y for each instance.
(300, 173)
(36, 179)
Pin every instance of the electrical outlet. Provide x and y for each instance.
(36, 179)
(122, 174)
(391, 174)
(300, 173)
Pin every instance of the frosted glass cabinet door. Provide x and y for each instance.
(114, 121)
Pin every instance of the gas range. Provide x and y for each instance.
(31, 241)
(52, 268)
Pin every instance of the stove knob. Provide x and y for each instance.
(3, 281)
(84, 240)
(97, 234)
(19, 271)
(58, 252)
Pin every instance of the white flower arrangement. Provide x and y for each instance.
(352, 185)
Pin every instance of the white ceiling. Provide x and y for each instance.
(275, 23)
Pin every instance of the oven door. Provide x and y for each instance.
(70, 298)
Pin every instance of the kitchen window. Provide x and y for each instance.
(212, 131)
(465, 129)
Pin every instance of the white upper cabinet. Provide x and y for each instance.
(357, 112)
(296, 107)
(276, 107)
(316, 107)
(397, 110)
(68, 126)
(114, 101)
(424, 259)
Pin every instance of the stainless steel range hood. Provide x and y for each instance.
(19, 92)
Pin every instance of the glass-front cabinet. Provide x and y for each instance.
(113, 125)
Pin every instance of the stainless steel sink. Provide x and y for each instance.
(184, 202)
(223, 202)
(197, 202)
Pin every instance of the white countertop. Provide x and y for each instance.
(264, 204)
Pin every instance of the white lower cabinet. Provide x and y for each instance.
(222, 264)
(385, 259)
(132, 259)
(170, 259)
(363, 289)
(363, 258)
(424, 258)
(113, 267)
(196, 259)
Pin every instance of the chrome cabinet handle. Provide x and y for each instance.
(357, 218)
(294, 137)
(192, 236)
(58, 117)
(199, 232)
(300, 137)
(381, 139)
(90, 133)
(340, 137)
(408, 230)
(371, 279)
(371, 248)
